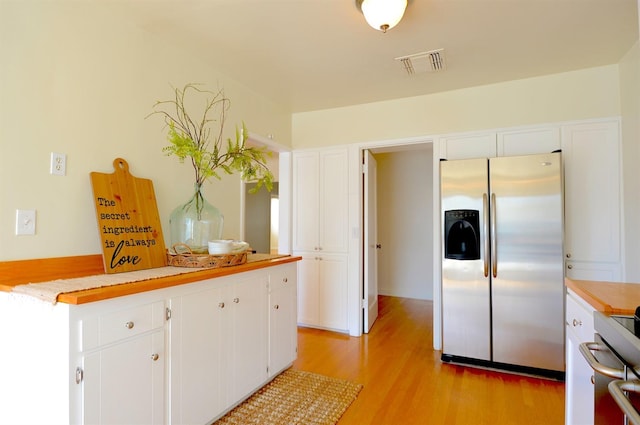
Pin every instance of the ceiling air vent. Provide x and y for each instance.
(418, 63)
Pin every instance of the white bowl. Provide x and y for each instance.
(239, 246)
(220, 247)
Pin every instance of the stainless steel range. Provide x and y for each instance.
(615, 357)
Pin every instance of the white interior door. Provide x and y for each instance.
(370, 242)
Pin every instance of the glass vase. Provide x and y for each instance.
(195, 223)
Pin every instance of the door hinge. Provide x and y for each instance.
(79, 375)
(363, 303)
(167, 314)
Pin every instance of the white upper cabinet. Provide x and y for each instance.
(524, 141)
(320, 195)
(468, 146)
(528, 141)
(592, 200)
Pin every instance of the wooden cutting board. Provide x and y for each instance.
(128, 221)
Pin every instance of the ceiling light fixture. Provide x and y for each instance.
(382, 14)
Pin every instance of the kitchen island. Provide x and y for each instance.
(183, 348)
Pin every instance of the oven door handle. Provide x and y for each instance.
(586, 348)
(616, 389)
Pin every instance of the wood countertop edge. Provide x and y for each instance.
(109, 292)
(584, 289)
(594, 302)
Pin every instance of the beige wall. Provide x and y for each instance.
(79, 80)
(588, 93)
(630, 106)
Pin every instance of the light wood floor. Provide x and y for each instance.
(406, 383)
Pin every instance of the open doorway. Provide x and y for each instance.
(264, 214)
(405, 239)
(261, 219)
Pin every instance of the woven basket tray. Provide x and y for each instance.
(205, 260)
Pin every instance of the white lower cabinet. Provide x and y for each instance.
(124, 383)
(218, 346)
(283, 335)
(244, 338)
(579, 387)
(196, 373)
(181, 355)
(123, 366)
(322, 291)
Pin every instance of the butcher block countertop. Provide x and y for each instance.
(22, 272)
(608, 297)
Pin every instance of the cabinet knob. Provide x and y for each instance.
(568, 255)
(276, 307)
(593, 380)
(285, 280)
(236, 300)
(155, 357)
(220, 305)
(577, 322)
(128, 325)
(569, 266)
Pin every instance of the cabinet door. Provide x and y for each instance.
(320, 201)
(283, 335)
(592, 196)
(196, 368)
(528, 141)
(334, 201)
(322, 291)
(244, 341)
(579, 386)
(332, 291)
(306, 212)
(308, 289)
(124, 383)
(470, 146)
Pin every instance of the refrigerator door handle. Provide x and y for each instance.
(494, 253)
(485, 225)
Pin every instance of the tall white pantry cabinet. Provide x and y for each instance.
(320, 236)
(185, 354)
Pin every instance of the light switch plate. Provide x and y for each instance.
(25, 222)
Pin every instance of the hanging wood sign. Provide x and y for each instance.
(128, 221)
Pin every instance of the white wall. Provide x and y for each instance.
(76, 78)
(405, 216)
(630, 105)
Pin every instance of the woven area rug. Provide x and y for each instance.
(296, 397)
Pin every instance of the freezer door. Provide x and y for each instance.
(527, 284)
(466, 322)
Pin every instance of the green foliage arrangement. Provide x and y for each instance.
(191, 137)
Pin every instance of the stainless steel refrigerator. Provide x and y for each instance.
(502, 269)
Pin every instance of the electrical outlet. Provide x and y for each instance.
(25, 222)
(58, 164)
